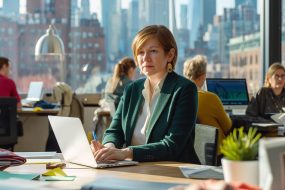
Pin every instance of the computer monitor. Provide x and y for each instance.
(232, 92)
(8, 121)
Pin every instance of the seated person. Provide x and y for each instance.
(210, 108)
(124, 73)
(270, 98)
(7, 85)
(8, 89)
(156, 116)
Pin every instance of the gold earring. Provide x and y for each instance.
(169, 67)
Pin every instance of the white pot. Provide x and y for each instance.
(241, 171)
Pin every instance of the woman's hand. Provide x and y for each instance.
(112, 153)
(95, 146)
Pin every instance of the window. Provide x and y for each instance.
(227, 32)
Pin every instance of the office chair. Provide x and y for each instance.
(205, 144)
(8, 122)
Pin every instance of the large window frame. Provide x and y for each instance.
(271, 33)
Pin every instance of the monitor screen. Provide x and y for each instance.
(230, 91)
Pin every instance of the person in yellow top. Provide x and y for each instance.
(210, 108)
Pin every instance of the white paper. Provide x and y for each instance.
(36, 154)
(42, 161)
(265, 124)
(279, 118)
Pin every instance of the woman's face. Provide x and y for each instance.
(152, 59)
(277, 80)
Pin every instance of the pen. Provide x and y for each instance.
(94, 135)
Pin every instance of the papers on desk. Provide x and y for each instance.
(265, 124)
(202, 172)
(36, 154)
(39, 157)
(279, 118)
(43, 161)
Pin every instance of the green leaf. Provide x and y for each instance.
(240, 145)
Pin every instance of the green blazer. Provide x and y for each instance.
(170, 134)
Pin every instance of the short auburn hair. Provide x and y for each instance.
(159, 32)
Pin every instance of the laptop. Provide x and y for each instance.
(74, 145)
(34, 94)
(232, 92)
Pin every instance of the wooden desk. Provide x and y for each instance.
(30, 112)
(35, 129)
(150, 171)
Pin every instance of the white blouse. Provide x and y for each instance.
(139, 135)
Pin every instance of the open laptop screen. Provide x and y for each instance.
(230, 91)
(35, 91)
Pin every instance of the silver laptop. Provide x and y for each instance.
(74, 145)
(34, 93)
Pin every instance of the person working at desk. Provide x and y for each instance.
(270, 98)
(210, 108)
(124, 73)
(7, 85)
(156, 116)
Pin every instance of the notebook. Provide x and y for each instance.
(232, 92)
(34, 93)
(74, 145)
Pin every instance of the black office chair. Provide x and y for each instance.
(8, 122)
(206, 143)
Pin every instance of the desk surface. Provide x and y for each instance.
(151, 171)
(30, 111)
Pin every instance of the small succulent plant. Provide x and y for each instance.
(241, 146)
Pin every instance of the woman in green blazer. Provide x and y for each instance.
(156, 116)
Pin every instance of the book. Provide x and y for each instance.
(8, 158)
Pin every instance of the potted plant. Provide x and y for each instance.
(240, 151)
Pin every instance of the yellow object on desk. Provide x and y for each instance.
(55, 172)
(36, 109)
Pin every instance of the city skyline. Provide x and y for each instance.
(95, 6)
